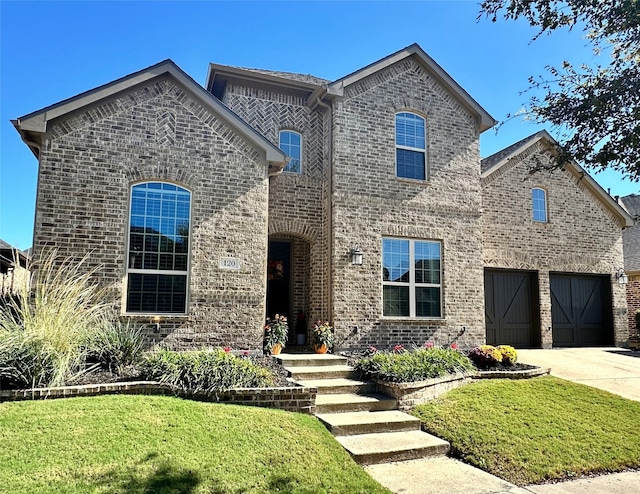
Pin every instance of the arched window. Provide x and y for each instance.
(411, 147)
(158, 254)
(291, 143)
(539, 204)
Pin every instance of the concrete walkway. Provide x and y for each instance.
(612, 369)
(616, 370)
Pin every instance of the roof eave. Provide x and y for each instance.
(250, 75)
(577, 170)
(484, 119)
(37, 122)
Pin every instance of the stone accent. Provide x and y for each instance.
(292, 399)
(580, 236)
(410, 395)
(519, 374)
(159, 132)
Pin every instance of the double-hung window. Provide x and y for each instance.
(157, 262)
(411, 278)
(411, 150)
(291, 143)
(539, 204)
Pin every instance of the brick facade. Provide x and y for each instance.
(347, 194)
(159, 132)
(580, 236)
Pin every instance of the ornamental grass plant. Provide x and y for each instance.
(411, 366)
(203, 371)
(43, 332)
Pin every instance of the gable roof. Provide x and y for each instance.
(34, 125)
(219, 75)
(632, 204)
(496, 161)
(485, 121)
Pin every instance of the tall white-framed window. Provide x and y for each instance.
(158, 253)
(411, 278)
(291, 143)
(539, 204)
(411, 148)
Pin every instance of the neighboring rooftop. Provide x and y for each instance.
(632, 203)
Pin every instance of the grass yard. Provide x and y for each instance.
(142, 444)
(529, 431)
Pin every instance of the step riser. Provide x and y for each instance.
(357, 407)
(353, 429)
(356, 389)
(302, 376)
(410, 454)
(310, 362)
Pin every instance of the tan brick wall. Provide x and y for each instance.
(633, 302)
(297, 207)
(371, 203)
(159, 132)
(581, 235)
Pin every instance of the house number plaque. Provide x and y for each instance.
(229, 263)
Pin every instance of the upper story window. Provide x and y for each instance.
(410, 146)
(157, 267)
(291, 143)
(539, 202)
(411, 278)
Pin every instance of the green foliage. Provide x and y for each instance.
(508, 353)
(485, 356)
(638, 319)
(535, 430)
(155, 444)
(322, 334)
(594, 107)
(416, 365)
(203, 371)
(43, 332)
(276, 331)
(116, 346)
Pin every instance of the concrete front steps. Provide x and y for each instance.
(367, 424)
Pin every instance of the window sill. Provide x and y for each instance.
(412, 319)
(150, 317)
(414, 181)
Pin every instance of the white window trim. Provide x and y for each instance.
(412, 283)
(546, 206)
(301, 149)
(409, 148)
(128, 270)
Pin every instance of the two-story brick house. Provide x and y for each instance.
(358, 200)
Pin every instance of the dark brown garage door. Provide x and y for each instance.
(581, 310)
(508, 307)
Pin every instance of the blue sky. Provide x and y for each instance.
(53, 50)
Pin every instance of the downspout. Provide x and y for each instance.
(327, 107)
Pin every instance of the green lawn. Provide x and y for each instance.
(528, 431)
(144, 444)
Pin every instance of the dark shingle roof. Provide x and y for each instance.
(495, 158)
(632, 203)
(308, 78)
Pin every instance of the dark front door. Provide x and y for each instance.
(581, 310)
(509, 316)
(279, 279)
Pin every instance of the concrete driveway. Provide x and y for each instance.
(616, 370)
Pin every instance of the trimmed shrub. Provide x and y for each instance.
(509, 354)
(116, 346)
(485, 356)
(203, 371)
(412, 366)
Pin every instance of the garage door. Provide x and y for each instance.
(581, 310)
(508, 307)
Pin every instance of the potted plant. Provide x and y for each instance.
(276, 331)
(322, 336)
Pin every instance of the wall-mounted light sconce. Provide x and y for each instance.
(622, 277)
(155, 323)
(356, 255)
